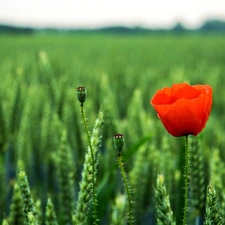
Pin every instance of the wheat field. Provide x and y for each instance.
(44, 146)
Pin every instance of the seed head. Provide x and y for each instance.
(81, 94)
(118, 140)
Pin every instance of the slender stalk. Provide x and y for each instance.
(186, 175)
(93, 165)
(130, 207)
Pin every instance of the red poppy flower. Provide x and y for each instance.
(183, 109)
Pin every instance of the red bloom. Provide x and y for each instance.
(183, 109)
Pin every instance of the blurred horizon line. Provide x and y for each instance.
(209, 26)
(99, 26)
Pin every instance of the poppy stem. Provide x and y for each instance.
(186, 175)
(128, 191)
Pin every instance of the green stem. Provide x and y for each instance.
(130, 209)
(93, 165)
(186, 175)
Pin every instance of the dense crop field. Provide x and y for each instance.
(42, 137)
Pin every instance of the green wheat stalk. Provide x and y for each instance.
(50, 216)
(119, 210)
(197, 176)
(16, 213)
(94, 200)
(217, 177)
(31, 219)
(65, 174)
(38, 208)
(88, 181)
(212, 212)
(138, 179)
(164, 214)
(29, 210)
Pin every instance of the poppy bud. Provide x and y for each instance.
(81, 94)
(118, 143)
